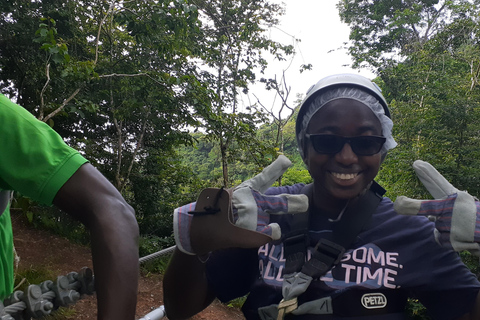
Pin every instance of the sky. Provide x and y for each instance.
(317, 24)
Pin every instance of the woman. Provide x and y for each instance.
(343, 132)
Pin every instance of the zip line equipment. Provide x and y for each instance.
(157, 254)
(40, 300)
(299, 273)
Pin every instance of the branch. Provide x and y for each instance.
(137, 147)
(119, 153)
(100, 30)
(62, 106)
(122, 75)
(265, 108)
(475, 76)
(42, 104)
(130, 75)
(118, 127)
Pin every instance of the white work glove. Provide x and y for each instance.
(240, 221)
(252, 208)
(455, 213)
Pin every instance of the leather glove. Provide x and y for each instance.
(455, 213)
(238, 217)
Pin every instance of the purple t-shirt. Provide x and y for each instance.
(394, 255)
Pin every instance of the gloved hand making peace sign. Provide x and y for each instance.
(236, 218)
(456, 213)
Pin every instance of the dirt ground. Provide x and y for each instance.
(40, 249)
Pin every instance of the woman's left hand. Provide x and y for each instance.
(456, 213)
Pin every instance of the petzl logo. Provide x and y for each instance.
(374, 301)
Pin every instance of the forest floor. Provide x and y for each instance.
(39, 249)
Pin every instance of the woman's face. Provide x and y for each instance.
(343, 175)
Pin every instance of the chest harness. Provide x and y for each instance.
(298, 273)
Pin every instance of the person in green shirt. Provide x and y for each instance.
(35, 161)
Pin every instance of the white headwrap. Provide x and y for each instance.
(348, 93)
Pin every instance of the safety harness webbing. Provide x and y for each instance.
(298, 272)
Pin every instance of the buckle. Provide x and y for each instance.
(286, 306)
(326, 255)
(331, 249)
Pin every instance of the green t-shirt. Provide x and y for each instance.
(35, 161)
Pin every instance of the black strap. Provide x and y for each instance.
(357, 215)
(328, 253)
(296, 241)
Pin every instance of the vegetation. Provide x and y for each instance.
(148, 90)
(125, 82)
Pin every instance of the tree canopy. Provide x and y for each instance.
(426, 56)
(126, 83)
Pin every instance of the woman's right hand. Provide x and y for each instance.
(236, 218)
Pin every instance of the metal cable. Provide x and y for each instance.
(157, 254)
(16, 307)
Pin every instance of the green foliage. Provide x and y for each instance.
(292, 176)
(34, 275)
(416, 311)
(204, 159)
(238, 302)
(46, 36)
(429, 83)
(234, 34)
(122, 84)
(430, 120)
(158, 265)
(58, 222)
(162, 185)
(150, 244)
(153, 244)
(383, 32)
(471, 262)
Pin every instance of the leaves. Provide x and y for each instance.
(125, 82)
(426, 56)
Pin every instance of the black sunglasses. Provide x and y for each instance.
(332, 143)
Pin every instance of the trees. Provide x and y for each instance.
(119, 80)
(234, 42)
(384, 32)
(124, 82)
(426, 55)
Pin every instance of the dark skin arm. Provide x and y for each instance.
(90, 198)
(185, 287)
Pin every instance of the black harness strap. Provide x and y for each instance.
(328, 253)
